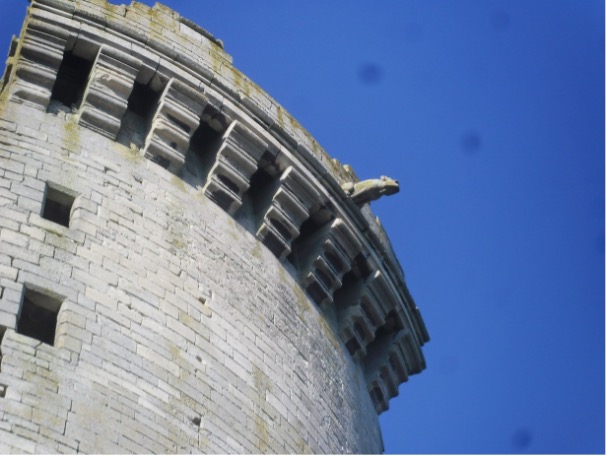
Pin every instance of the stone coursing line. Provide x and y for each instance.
(256, 161)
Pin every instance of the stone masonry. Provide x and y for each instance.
(181, 270)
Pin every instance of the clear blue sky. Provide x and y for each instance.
(491, 115)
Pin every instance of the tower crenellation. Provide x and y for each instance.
(183, 268)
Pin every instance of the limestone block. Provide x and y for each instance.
(356, 330)
(37, 63)
(391, 365)
(330, 260)
(378, 299)
(106, 96)
(236, 162)
(290, 207)
(173, 124)
(180, 331)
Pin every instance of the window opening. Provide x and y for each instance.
(353, 282)
(263, 185)
(203, 147)
(142, 100)
(38, 316)
(57, 205)
(348, 295)
(383, 338)
(71, 81)
(256, 200)
(308, 238)
(141, 107)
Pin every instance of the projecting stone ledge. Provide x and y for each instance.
(371, 189)
(146, 79)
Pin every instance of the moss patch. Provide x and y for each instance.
(262, 384)
(178, 182)
(301, 301)
(329, 333)
(130, 153)
(71, 134)
(257, 251)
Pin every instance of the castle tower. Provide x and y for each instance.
(182, 267)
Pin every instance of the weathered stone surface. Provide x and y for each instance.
(109, 86)
(371, 189)
(183, 321)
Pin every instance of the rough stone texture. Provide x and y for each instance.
(219, 290)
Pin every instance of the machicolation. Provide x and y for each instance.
(182, 267)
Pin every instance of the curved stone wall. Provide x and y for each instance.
(180, 269)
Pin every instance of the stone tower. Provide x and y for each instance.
(182, 267)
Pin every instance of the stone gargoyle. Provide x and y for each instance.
(365, 191)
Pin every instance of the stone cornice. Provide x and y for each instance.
(154, 48)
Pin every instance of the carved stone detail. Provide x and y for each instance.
(361, 318)
(106, 96)
(173, 124)
(236, 162)
(377, 319)
(390, 368)
(289, 208)
(371, 189)
(330, 259)
(37, 64)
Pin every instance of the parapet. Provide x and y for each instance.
(164, 87)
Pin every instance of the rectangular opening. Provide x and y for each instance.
(203, 147)
(304, 246)
(263, 185)
(38, 315)
(71, 80)
(205, 140)
(142, 105)
(143, 100)
(57, 205)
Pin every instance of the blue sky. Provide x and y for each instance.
(490, 113)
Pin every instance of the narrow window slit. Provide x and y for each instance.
(263, 185)
(142, 104)
(350, 293)
(57, 205)
(38, 316)
(71, 81)
(203, 147)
